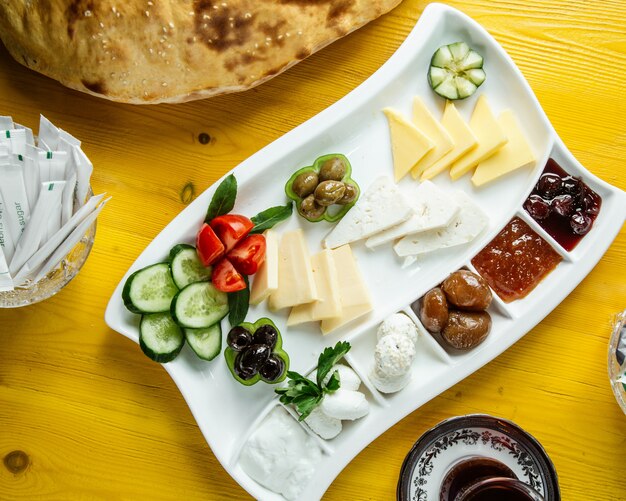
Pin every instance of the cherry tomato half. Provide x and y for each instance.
(226, 278)
(231, 228)
(248, 254)
(208, 246)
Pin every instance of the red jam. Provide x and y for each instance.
(515, 261)
(563, 205)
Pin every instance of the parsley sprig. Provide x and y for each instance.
(305, 394)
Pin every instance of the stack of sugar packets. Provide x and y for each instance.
(45, 202)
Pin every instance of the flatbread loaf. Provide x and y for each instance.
(169, 51)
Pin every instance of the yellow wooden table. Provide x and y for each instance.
(96, 419)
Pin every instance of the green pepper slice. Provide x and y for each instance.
(328, 215)
(278, 351)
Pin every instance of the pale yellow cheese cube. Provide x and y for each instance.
(490, 137)
(408, 143)
(329, 303)
(428, 124)
(265, 280)
(462, 137)
(515, 154)
(354, 297)
(295, 277)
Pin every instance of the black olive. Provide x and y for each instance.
(272, 369)
(241, 371)
(267, 335)
(238, 338)
(254, 356)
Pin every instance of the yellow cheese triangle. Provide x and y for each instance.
(490, 137)
(426, 122)
(513, 155)
(462, 137)
(408, 144)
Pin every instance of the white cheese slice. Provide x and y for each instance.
(515, 154)
(265, 280)
(408, 144)
(329, 303)
(428, 124)
(296, 284)
(353, 294)
(380, 207)
(469, 222)
(462, 136)
(432, 207)
(490, 137)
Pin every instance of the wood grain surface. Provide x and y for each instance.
(84, 415)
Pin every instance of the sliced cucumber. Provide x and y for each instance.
(186, 266)
(160, 338)
(199, 305)
(206, 343)
(456, 71)
(150, 290)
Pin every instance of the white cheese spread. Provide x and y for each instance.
(280, 455)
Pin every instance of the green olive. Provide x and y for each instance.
(328, 192)
(305, 183)
(333, 169)
(310, 209)
(349, 195)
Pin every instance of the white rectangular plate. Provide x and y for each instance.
(355, 126)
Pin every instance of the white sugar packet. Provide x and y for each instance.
(69, 243)
(6, 123)
(13, 193)
(54, 138)
(67, 202)
(30, 138)
(6, 240)
(15, 139)
(6, 282)
(34, 263)
(49, 202)
(84, 169)
(48, 133)
(30, 173)
(51, 165)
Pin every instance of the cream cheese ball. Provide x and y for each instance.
(394, 355)
(398, 323)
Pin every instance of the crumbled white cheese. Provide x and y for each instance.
(394, 355)
(398, 323)
(280, 455)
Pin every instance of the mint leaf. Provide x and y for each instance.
(328, 358)
(223, 199)
(238, 303)
(269, 217)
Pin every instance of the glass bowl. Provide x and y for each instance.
(54, 281)
(617, 353)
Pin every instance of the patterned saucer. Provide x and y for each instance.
(432, 455)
